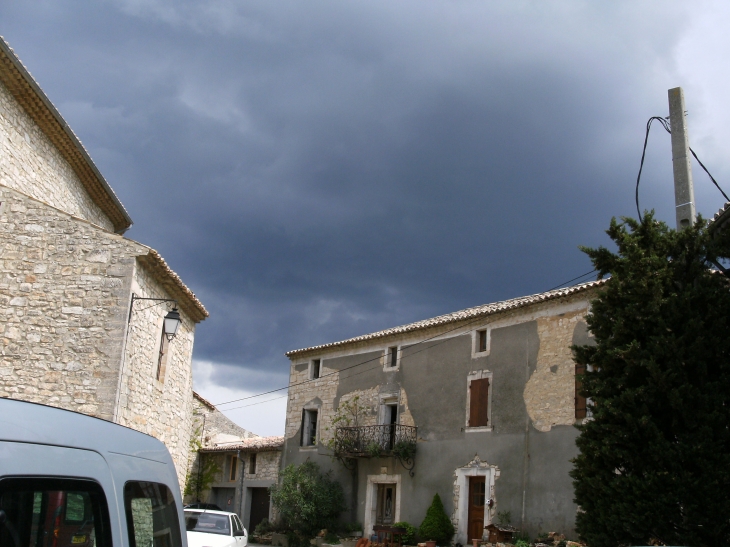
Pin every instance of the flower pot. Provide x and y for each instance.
(431, 543)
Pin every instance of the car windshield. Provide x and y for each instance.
(207, 522)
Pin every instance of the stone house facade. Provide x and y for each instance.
(71, 333)
(478, 406)
(246, 464)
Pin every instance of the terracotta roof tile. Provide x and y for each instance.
(469, 313)
(186, 298)
(253, 444)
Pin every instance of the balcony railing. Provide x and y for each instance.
(377, 441)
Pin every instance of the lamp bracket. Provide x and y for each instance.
(135, 297)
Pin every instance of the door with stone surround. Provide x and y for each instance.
(477, 499)
(385, 507)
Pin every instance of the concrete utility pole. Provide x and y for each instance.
(684, 192)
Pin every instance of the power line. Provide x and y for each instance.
(666, 126)
(460, 326)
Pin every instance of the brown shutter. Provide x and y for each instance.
(479, 403)
(301, 431)
(580, 401)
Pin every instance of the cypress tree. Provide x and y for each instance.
(654, 460)
(437, 525)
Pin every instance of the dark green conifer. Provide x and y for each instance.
(654, 460)
(437, 525)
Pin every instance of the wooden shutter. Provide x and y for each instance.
(301, 431)
(479, 403)
(580, 401)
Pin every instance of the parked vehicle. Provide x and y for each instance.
(207, 528)
(201, 505)
(70, 480)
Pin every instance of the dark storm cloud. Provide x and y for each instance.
(316, 171)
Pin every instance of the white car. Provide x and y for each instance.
(207, 528)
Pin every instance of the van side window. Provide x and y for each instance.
(53, 512)
(151, 515)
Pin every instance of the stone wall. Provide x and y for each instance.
(209, 422)
(267, 465)
(31, 164)
(64, 294)
(160, 407)
(550, 392)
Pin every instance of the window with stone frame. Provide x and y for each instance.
(479, 400)
(162, 356)
(232, 469)
(309, 427)
(252, 463)
(315, 369)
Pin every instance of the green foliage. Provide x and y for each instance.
(199, 478)
(522, 543)
(350, 527)
(654, 461)
(263, 527)
(331, 539)
(347, 415)
(374, 450)
(307, 500)
(504, 517)
(437, 525)
(409, 538)
(404, 450)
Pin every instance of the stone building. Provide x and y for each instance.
(245, 464)
(247, 468)
(474, 405)
(74, 333)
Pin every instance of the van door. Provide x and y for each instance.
(54, 496)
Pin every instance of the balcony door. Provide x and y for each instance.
(390, 419)
(477, 499)
(385, 505)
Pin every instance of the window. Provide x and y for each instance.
(209, 523)
(234, 466)
(309, 428)
(479, 401)
(481, 341)
(581, 409)
(162, 357)
(42, 512)
(151, 515)
(392, 357)
(252, 464)
(314, 369)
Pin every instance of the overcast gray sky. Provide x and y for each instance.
(318, 170)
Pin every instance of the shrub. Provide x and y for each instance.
(350, 527)
(409, 538)
(263, 527)
(307, 499)
(331, 539)
(437, 525)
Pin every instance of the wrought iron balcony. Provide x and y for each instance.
(377, 441)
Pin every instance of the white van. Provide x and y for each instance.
(70, 480)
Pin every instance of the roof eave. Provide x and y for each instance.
(470, 315)
(14, 75)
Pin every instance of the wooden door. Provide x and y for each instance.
(477, 499)
(259, 507)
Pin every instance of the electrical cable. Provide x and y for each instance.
(665, 124)
(460, 326)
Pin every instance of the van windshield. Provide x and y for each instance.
(211, 523)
